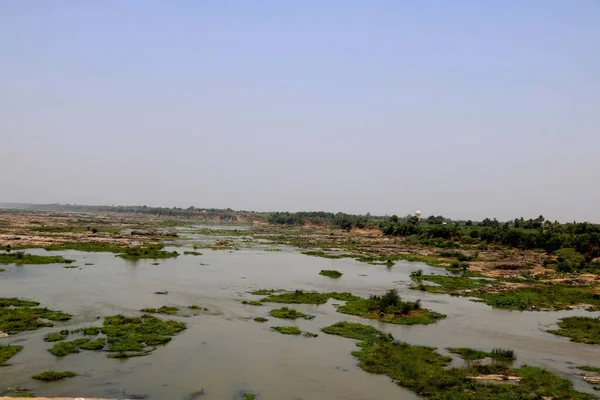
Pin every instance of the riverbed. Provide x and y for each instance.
(225, 353)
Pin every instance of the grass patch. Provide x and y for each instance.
(62, 349)
(260, 319)
(331, 273)
(589, 368)
(21, 315)
(8, 351)
(297, 297)
(426, 372)
(56, 336)
(449, 284)
(168, 310)
(21, 258)
(289, 313)
(391, 308)
(579, 329)
(287, 330)
(249, 396)
(54, 375)
(252, 303)
(163, 292)
(88, 247)
(138, 336)
(153, 251)
(266, 292)
(97, 344)
(192, 253)
(469, 354)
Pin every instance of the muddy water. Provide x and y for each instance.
(227, 353)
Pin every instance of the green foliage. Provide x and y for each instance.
(62, 349)
(589, 368)
(450, 284)
(8, 351)
(192, 253)
(195, 307)
(579, 329)
(297, 297)
(54, 375)
(571, 256)
(20, 315)
(390, 308)
(287, 330)
(331, 273)
(252, 303)
(424, 371)
(88, 247)
(289, 313)
(154, 251)
(20, 258)
(97, 344)
(503, 354)
(469, 354)
(56, 336)
(168, 310)
(249, 396)
(260, 319)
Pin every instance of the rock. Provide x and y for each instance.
(3, 335)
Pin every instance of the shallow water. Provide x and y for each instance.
(227, 354)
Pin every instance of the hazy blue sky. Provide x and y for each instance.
(461, 108)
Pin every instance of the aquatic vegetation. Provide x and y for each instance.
(88, 247)
(153, 251)
(222, 245)
(252, 303)
(88, 330)
(579, 329)
(309, 334)
(8, 351)
(21, 258)
(21, 315)
(22, 395)
(249, 396)
(449, 284)
(391, 308)
(260, 319)
(425, 372)
(342, 296)
(297, 297)
(164, 292)
(287, 330)
(137, 336)
(331, 273)
(503, 354)
(589, 368)
(289, 313)
(195, 307)
(97, 344)
(56, 336)
(192, 253)
(54, 375)
(71, 266)
(469, 354)
(62, 349)
(266, 292)
(169, 310)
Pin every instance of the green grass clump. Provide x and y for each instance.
(252, 303)
(195, 307)
(287, 330)
(147, 251)
(62, 349)
(427, 373)
(138, 336)
(331, 273)
(469, 354)
(289, 313)
(579, 329)
(391, 308)
(449, 284)
(260, 319)
(503, 354)
(21, 258)
(297, 297)
(54, 375)
(88, 247)
(8, 351)
(56, 336)
(21, 315)
(22, 395)
(91, 330)
(249, 396)
(343, 296)
(168, 310)
(589, 368)
(97, 344)
(192, 253)
(163, 292)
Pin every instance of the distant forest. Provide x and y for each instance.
(579, 241)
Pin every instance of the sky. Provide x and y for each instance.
(468, 109)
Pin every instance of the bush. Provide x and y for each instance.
(564, 266)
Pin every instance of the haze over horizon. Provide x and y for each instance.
(468, 110)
